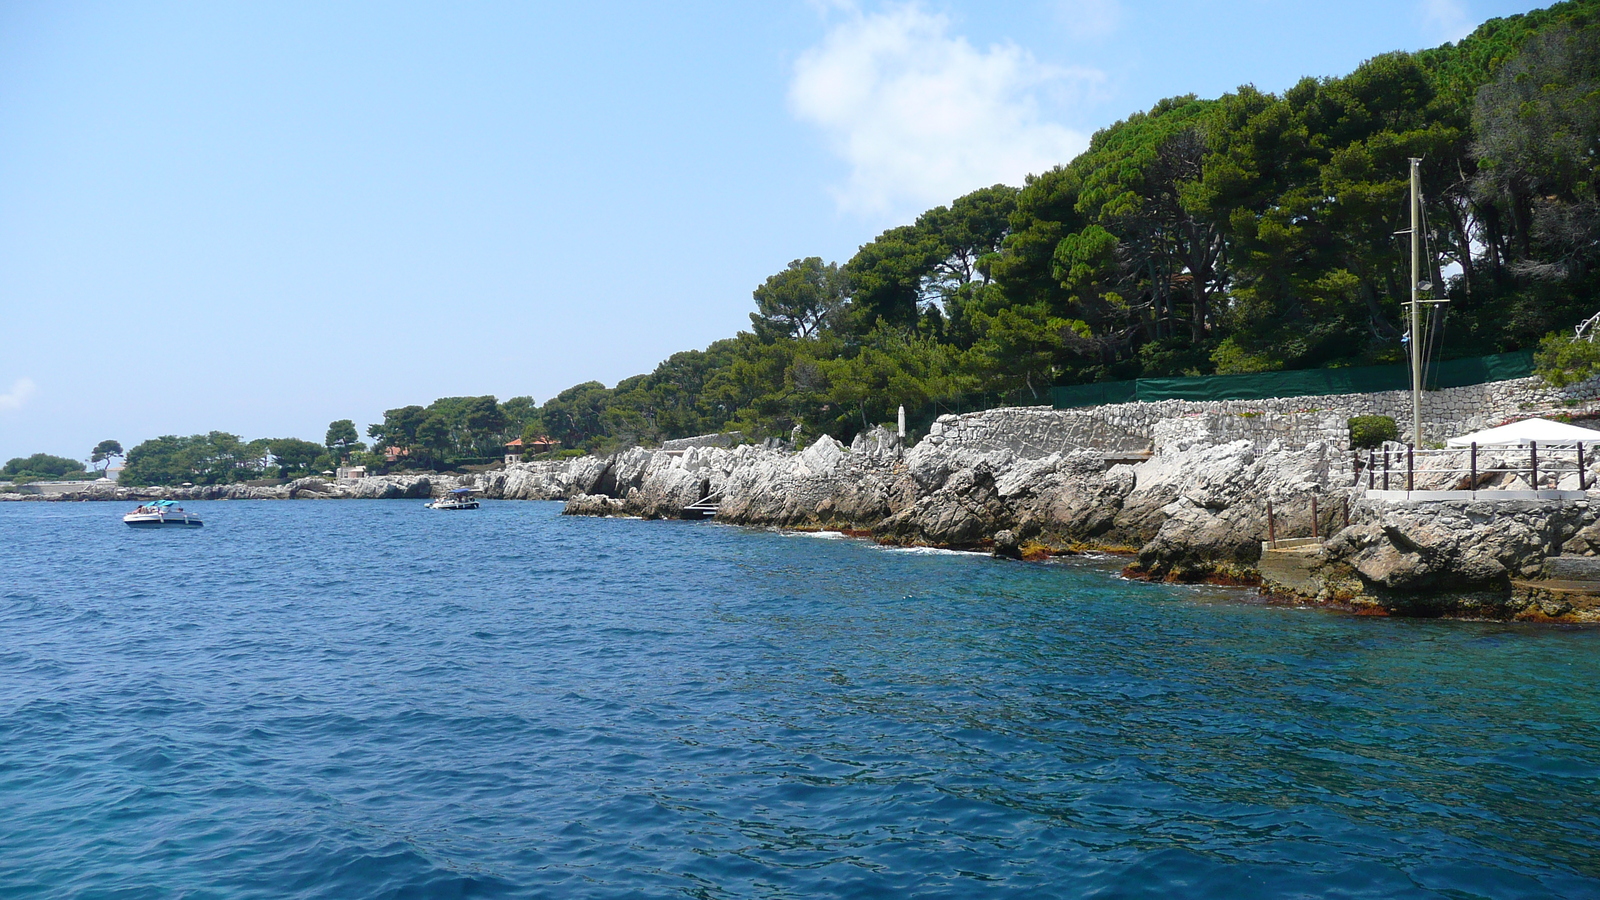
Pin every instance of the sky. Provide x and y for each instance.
(260, 218)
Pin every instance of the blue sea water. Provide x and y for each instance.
(370, 699)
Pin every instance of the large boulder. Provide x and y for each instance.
(543, 480)
(594, 505)
(1481, 559)
(1199, 543)
(877, 441)
(1429, 547)
(673, 482)
(768, 487)
(964, 512)
(1067, 499)
(1212, 512)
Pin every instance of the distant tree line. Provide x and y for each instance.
(42, 466)
(450, 432)
(47, 467)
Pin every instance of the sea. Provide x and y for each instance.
(348, 699)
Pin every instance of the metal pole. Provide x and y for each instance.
(1474, 457)
(1583, 473)
(1386, 467)
(1372, 467)
(1533, 458)
(1272, 526)
(1411, 468)
(1416, 315)
(1314, 526)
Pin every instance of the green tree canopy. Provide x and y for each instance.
(214, 458)
(40, 465)
(294, 455)
(799, 301)
(342, 439)
(104, 452)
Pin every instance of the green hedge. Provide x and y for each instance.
(1369, 432)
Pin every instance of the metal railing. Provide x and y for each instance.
(1276, 521)
(1551, 463)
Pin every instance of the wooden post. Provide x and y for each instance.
(1411, 467)
(1386, 467)
(1372, 465)
(1533, 459)
(1583, 473)
(1272, 527)
(1473, 456)
(1315, 532)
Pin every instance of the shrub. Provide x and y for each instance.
(1369, 432)
(1562, 359)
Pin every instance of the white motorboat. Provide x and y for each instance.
(460, 498)
(162, 514)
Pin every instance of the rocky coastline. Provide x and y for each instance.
(1185, 491)
(1195, 510)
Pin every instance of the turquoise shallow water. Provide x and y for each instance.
(350, 700)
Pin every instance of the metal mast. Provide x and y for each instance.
(1416, 315)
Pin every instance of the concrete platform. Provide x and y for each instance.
(1438, 496)
(1290, 568)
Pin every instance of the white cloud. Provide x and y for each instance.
(21, 390)
(1447, 20)
(923, 117)
(1087, 19)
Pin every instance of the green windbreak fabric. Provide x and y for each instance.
(1484, 369)
(1072, 395)
(1302, 383)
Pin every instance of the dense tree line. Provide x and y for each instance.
(1251, 232)
(1247, 233)
(42, 466)
(222, 458)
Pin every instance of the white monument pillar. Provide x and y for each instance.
(902, 420)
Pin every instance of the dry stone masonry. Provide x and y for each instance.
(1293, 422)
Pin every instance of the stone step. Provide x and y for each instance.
(1125, 457)
(1290, 544)
(1584, 569)
(1574, 588)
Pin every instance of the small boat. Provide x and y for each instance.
(460, 498)
(162, 514)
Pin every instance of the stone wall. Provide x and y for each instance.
(1038, 431)
(1292, 422)
(724, 439)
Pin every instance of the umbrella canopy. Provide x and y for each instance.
(1520, 434)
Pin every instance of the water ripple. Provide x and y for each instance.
(350, 700)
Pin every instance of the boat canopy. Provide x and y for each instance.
(162, 503)
(462, 491)
(1519, 434)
